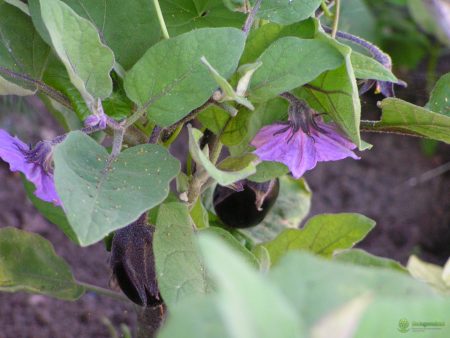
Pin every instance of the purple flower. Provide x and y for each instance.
(34, 163)
(302, 142)
(386, 88)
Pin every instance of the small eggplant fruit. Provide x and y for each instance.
(133, 264)
(247, 204)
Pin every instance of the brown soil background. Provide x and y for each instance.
(411, 218)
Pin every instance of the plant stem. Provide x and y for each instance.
(117, 142)
(41, 86)
(251, 17)
(133, 118)
(162, 23)
(102, 291)
(336, 19)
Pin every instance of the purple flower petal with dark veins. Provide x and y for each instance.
(301, 152)
(21, 158)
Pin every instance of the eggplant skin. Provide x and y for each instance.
(238, 209)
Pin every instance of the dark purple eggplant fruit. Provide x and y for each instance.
(133, 264)
(247, 204)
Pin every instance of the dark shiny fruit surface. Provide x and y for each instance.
(248, 207)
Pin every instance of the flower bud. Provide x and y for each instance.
(247, 205)
(133, 263)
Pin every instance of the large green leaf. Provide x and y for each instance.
(440, 96)
(29, 263)
(366, 67)
(250, 305)
(182, 16)
(77, 43)
(401, 116)
(322, 235)
(259, 39)
(316, 286)
(292, 205)
(51, 212)
(169, 80)
(21, 51)
(96, 193)
(180, 270)
(289, 11)
(291, 62)
(335, 92)
(128, 27)
(223, 177)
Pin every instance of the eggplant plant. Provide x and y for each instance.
(264, 90)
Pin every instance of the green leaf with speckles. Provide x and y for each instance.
(99, 197)
(287, 11)
(29, 263)
(440, 96)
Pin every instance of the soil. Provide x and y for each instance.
(385, 185)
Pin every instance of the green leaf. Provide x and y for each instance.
(250, 305)
(128, 38)
(51, 212)
(286, 12)
(440, 96)
(221, 176)
(366, 67)
(316, 286)
(292, 205)
(29, 263)
(430, 274)
(182, 16)
(21, 51)
(401, 116)
(96, 193)
(261, 38)
(77, 43)
(179, 265)
(322, 235)
(234, 244)
(291, 62)
(20, 5)
(169, 80)
(336, 93)
(361, 257)
(199, 215)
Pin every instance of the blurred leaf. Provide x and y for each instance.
(433, 17)
(182, 16)
(366, 67)
(440, 96)
(402, 116)
(259, 39)
(96, 194)
(29, 263)
(20, 5)
(51, 212)
(344, 321)
(291, 62)
(221, 176)
(250, 305)
(335, 92)
(21, 51)
(428, 273)
(322, 235)
(180, 270)
(169, 80)
(287, 12)
(233, 243)
(76, 41)
(129, 39)
(291, 206)
(361, 257)
(316, 286)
